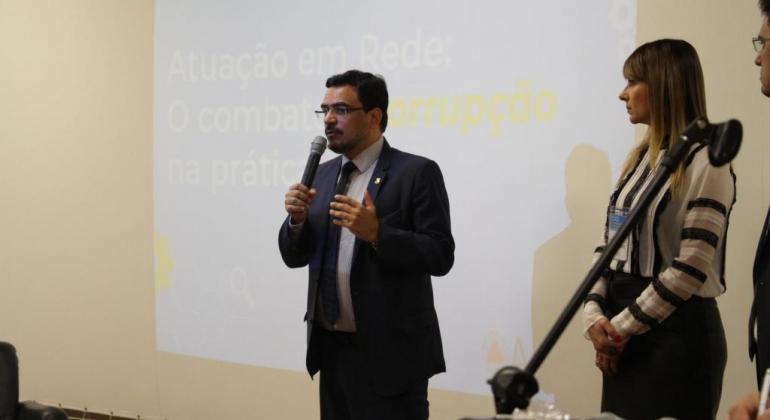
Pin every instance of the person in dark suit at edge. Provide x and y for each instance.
(373, 229)
(759, 319)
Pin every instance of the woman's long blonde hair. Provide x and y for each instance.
(676, 93)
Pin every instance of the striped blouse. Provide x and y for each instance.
(679, 243)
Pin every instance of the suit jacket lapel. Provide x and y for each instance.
(380, 174)
(760, 255)
(759, 262)
(379, 177)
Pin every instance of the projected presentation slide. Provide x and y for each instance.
(498, 93)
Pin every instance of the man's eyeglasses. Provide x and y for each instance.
(759, 43)
(341, 111)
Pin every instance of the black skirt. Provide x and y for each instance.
(676, 368)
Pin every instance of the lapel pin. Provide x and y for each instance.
(377, 181)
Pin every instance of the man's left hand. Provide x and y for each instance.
(359, 218)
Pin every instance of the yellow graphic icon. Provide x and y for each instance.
(520, 353)
(164, 262)
(494, 351)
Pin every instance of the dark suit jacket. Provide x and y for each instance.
(396, 321)
(760, 307)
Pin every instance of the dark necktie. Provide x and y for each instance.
(329, 270)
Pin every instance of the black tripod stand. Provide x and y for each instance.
(513, 387)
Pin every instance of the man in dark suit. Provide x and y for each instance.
(759, 323)
(373, 229)
(759, 320)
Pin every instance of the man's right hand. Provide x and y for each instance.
(297, 202)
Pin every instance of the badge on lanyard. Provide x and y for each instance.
(616, 217)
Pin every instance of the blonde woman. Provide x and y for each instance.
(652, 317)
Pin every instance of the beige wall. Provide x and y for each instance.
(76, 285)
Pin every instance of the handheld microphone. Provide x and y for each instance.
(723, 139)
(317, 148)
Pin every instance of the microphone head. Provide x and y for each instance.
(318, 145)
(724, 142)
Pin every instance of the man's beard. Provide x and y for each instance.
(341, 147)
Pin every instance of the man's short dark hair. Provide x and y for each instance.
(372, 90)
(764, 6)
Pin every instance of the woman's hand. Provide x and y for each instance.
(609, 345)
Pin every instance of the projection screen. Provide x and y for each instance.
(497, 92)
